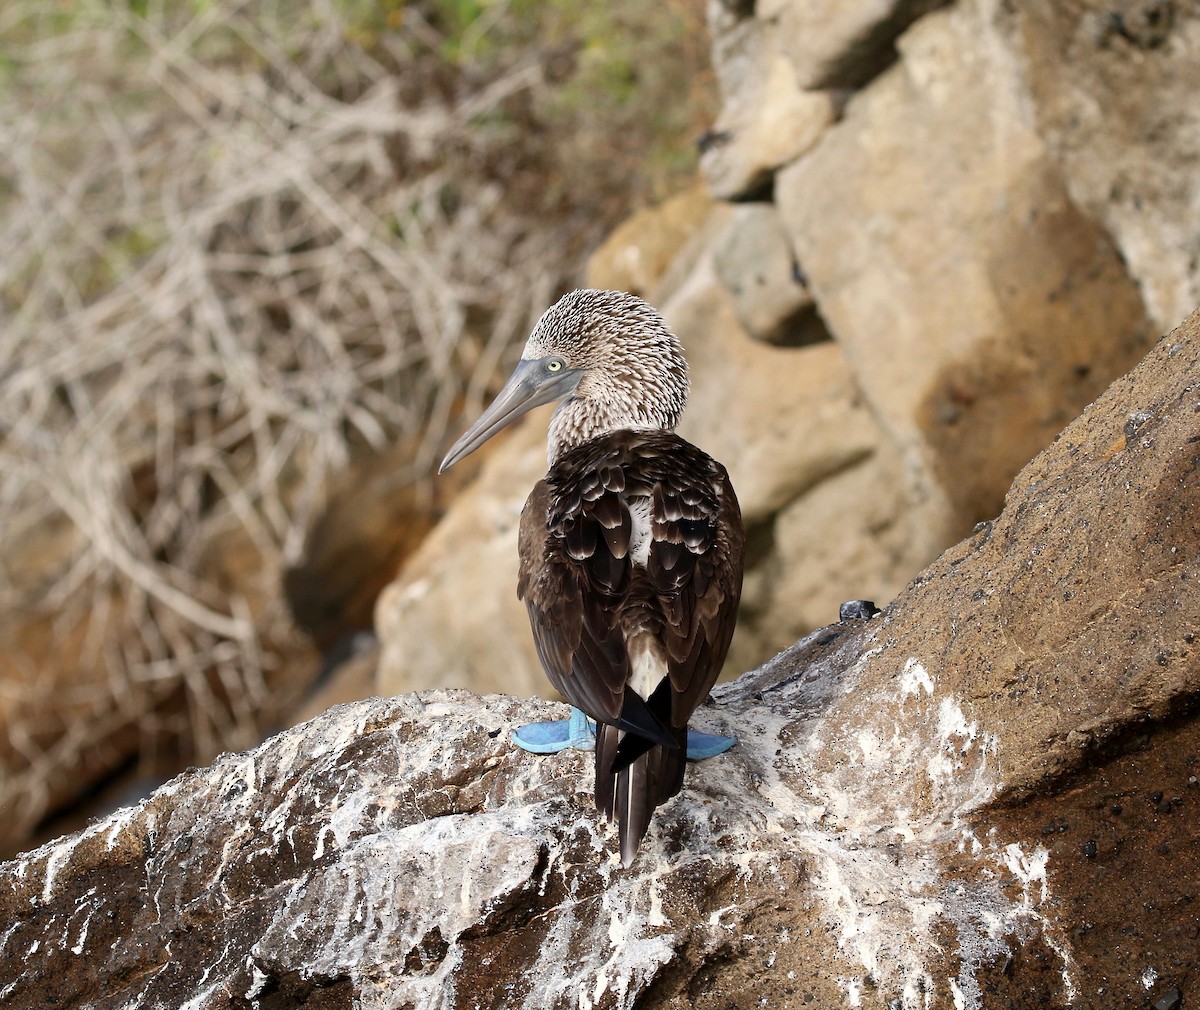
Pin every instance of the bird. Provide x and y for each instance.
(630, 548)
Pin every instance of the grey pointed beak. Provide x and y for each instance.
(530, 385)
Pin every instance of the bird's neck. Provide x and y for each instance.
(581, 419)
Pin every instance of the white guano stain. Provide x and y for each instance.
(873, 849)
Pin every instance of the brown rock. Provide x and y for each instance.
(780, 418)
(977, 305)
(1112, 87)
(755, 262)
(849, 536)
(766, 119)
(452, 618)
(866, 842)
(373, 518)
(842, 45)
(639, 252)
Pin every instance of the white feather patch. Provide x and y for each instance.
(639, 536)
(649, 665)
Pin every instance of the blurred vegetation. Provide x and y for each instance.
(240, 245)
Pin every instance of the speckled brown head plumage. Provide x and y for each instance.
(608, 356)
(634, 374)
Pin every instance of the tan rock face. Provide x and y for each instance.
(638, 253)
(832, 44)
(1113, 87)
(890, 831)
(756, 265)
(978, 306)
(767, 118)
(453, 619)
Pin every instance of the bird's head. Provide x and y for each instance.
(608, 355)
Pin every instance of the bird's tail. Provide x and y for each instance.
(629, 788)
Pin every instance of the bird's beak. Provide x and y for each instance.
(529, 386)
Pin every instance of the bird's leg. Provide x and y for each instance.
(551, 737)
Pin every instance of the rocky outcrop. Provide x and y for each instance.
(938, 232)
(885, 834)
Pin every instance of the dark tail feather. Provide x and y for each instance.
(646, 723)
(629, 794)
(648, 719)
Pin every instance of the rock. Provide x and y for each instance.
(766, 119)
(966, 256)
(781, 419)
(1168, 1000)
(452, 618)
(755, 262)
(849, 534)
(874, 839)
(372, 519)
(639, 252)
(1112, 88)
(841, 45)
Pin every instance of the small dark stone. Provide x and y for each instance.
(710, 139)
(1168, 1000)
(1090, 848)
(1049, 829)
(1118, 809)
(1163, 807)
(493, 733)
(1062, 828)
(857, 610)
(1156, 797)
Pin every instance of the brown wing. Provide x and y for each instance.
(696, 568)
(586, 598)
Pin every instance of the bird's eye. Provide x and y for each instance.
(553, 365)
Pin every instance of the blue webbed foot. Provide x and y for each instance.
(551, 737)
(706, 745)
(580, 733)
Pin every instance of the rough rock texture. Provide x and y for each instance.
(842, 45)
(883, 835)
(755, 262)
(766, 119)
(998, 325)
(453, 618)
(1112, 87)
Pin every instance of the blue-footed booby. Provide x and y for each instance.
(630, 548)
